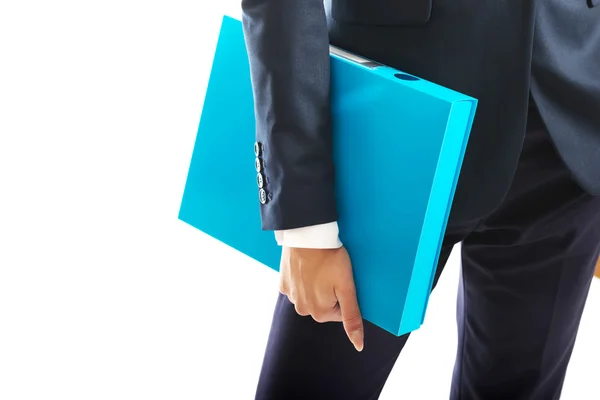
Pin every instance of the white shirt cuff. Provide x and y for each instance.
(322, 236)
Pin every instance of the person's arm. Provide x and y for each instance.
(288, 47)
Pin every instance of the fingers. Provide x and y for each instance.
(320, 283)
(351, 317)
(345, 310)
(327, 314)
(320, 311)
(321, 308)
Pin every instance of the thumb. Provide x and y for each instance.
(351, 317)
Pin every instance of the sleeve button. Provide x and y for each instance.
(258, 164)
(262, 196)
(257, 149)
(260, 180)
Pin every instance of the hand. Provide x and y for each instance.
(319, 283)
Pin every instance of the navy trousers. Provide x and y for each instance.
(526, 271)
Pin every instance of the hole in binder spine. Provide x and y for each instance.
(406, 77)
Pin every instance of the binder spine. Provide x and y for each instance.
(436, 218)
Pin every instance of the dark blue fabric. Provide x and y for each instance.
(526, 271)
(493, 50)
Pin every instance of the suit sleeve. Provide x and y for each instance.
(288, 48)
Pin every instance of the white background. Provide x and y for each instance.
(104, 294)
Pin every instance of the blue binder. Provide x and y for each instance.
(399, 143)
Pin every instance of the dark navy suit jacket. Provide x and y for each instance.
(498, 51)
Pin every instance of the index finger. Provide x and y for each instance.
(351, 316)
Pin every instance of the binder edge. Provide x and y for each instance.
(461, 112)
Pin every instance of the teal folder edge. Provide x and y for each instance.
(462, 114)
(462, 110)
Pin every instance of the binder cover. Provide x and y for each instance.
(399, 143)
